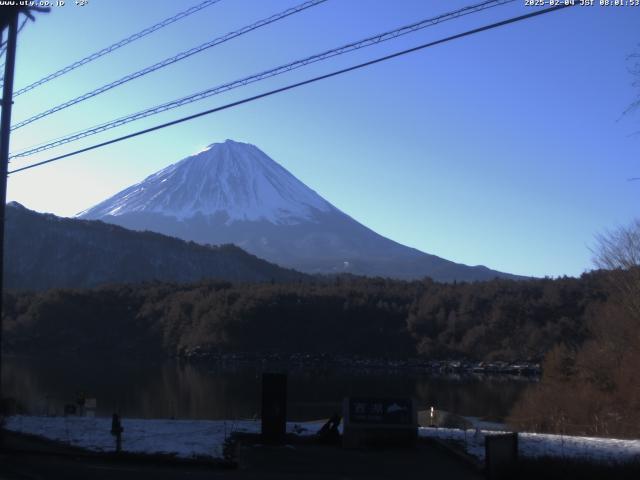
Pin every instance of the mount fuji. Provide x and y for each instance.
(233, 192)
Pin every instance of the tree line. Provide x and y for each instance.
(495, 320)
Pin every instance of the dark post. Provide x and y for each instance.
(501, 456)
(5, 130)
(274, 407)
(116, 431)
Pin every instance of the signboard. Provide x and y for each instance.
(379, 422)
(381, 411)
(90, 405)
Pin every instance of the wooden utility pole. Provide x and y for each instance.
(5, 130)
(8, 20)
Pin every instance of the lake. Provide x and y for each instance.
(177, 389)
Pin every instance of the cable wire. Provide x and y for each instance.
(171, 60)
(296, 85)
(117, 45)
(263, 75)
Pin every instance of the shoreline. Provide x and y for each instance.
(530, 371)
(295, 361)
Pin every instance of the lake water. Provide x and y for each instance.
(174, 389)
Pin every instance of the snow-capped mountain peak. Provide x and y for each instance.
(232, 192)
(233, 179)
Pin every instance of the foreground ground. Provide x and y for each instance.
(29, 457)
(190, 439)
(46, 461)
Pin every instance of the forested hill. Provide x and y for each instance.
(494, 320)
(44, 251)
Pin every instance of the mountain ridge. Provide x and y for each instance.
(45, 251)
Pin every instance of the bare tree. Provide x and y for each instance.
(634, 69)
(619, 252)
(618, 249)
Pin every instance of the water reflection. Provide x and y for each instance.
(175, 389)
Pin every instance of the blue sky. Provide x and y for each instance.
(507, 148)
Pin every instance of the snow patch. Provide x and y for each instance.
(544, 445)
(182, 438)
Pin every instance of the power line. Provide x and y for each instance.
(296, 85)
(171, 60)
(115, 46)
(262, 76)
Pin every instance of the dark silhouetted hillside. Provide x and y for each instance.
(45, 251)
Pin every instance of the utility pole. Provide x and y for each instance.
(5, 130)
(9, 20)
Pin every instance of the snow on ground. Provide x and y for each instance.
(183, 438)
(477, 422)
(195, 438)
(540, 445)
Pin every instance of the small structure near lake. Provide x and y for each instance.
(372, 422)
